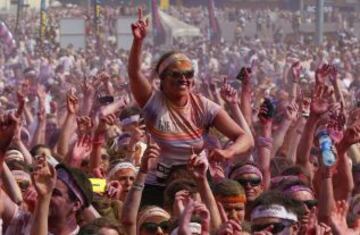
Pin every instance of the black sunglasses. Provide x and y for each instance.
(276, 227)
(153, 227)
(310, 203)
(179, 74)
(23, 185)
(253, 182)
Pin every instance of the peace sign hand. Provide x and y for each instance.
(140, 28)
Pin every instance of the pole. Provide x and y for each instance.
(319, 22)
(301, 8)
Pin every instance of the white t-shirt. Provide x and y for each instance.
(178, 130)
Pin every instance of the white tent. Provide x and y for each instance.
(176, 28)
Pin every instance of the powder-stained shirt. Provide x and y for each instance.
(177, 130)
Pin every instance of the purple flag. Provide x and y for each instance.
(214, 28)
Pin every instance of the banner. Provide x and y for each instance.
(159, 34)
(214, 28)
(98, 21)
(43, 20)
(164, 4)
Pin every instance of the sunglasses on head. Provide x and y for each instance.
(276, 227)
(188, 74)
(253, 182)
(153, 227)
(310, 203)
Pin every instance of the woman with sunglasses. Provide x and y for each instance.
(249, 176)
(177, 118)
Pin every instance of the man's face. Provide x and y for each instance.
(61, 206)
(126, 178)
(279, 226)
(235, 211)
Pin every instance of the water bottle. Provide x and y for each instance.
(328, 157)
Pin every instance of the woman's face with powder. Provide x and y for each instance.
(178, 79)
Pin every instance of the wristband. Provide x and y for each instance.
(305, 114)
(137, 187)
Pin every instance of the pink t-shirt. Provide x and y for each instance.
(178, 129)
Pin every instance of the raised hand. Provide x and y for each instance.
(351, 135)
(338, 219)
(82, 148)
(43, 177)
(137, 133)
(322, 73)
(320, 102)
(84, 124)
(198, 166)
(228, 93)
(140, 28)
(105, 121)
(182, 198)
(88, 89)
(72, 103)
(8, 125)
(291, 111)
(41, 93)
(152, 152)
(21, 104)
(53, 107)
(204, 214)
(114, 189)
(305, 106)
(333, 74)
(245, 75)
(295, 71)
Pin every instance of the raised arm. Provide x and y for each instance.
(246, 96)
(8, 125)
(133, 198)
(319, 105)
(343, 179)
(67, 128)
(264, 144)
(279, 135)
(39, 135)
(44, 180)
(199, 166)
(230, 96)
(98, 142)
(140, 86)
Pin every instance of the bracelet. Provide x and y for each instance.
(137, 187)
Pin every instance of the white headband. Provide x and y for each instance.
(131, 119)
(274, 211)
(195, 228)
(156, 211)
(171, 60)
(14, 155)
(19, 174)
(119, 166)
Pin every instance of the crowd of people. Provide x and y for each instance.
(242, 137)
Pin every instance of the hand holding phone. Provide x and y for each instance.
(244, 74)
